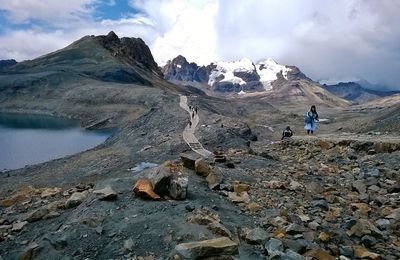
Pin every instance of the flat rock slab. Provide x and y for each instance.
(189, 159)
(207, 248)
(106, 193)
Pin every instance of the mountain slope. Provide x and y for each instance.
(243, 78)
(94, 77)
(354, 92)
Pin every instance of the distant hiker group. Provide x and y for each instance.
(193, 111)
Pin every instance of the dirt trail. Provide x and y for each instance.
(188, 133)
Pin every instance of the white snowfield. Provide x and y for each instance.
(227, 69)
(266, 69)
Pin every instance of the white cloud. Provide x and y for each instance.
(326, 39)
(23, 11)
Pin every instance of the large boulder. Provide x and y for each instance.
(166, 181)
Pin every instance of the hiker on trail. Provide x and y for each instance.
(310, 121)
(193, 114)
(195, 110)
(287, 133)
(190, 108)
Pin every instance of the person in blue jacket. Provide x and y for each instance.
(310, 121)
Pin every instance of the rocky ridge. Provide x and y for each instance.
(354, 92)
(7, 63)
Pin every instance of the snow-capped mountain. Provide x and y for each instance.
(268, 70)
(244, 78)
(227, 76)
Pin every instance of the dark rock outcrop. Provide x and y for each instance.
(132, 51)
(180, 70)
(7, 63)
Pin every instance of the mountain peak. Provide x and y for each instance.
(112, 37)
(7, 63)
(132, 51)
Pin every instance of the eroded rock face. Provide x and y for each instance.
(131, 50)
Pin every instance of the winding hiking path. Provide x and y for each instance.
(188, 133)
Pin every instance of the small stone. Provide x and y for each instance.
(314, 187)
(253, 207)
(190, 207)
(76, 199)
(293, 229)
(319, 254)
(324, 237)
(346, 251)
(297, 245)
(325, 145)
(50, 192)
(214, 179)
(321, 203)
(382, 223)
(202, 168)
(203, 216)
(359, 186)
(274, 247)
(295, 186)
(106, 194)
(257, 236)
(29, 252)
(395, 188)
(5, 227)
(364, 227)
(368, 241)
(207, 248)
(240, 187)
(361, 207)
(291, 255)
(18, 226)
(276, 184)
(219, 229)
(37, 214)
(395, 214)
(99, 230)
(362, 252)
(242, 197)
(129, 244)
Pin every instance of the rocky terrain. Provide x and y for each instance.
(146, 194)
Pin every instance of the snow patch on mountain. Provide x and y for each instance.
(226, 70)
(267, 71)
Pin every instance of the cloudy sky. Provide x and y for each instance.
(329, 40)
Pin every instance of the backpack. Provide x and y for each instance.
(287, 133)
